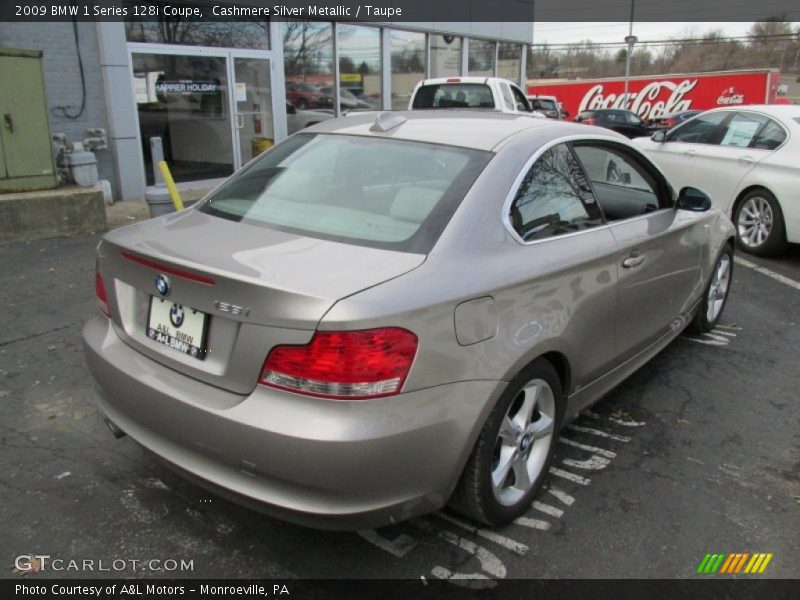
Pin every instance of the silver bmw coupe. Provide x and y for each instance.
(388, 313)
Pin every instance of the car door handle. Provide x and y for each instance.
(9, 122)
(634, 260)
(690, 152)
(748, 160)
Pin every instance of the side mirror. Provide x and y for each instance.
(659, 136)
(291, 109)
(693, 199)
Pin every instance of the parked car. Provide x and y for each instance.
(304, 95)
(670, 120)
(488, 93)
(547, 105)
(748, 159)
(625, 122)
(297, 120)
(347, 100)
(357, 328)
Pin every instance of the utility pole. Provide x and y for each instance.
(631, 40)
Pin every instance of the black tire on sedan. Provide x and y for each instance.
(716, 294)
(512, 455)
(760, 228)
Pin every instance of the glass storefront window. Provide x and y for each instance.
(445, 56)
(509, 60)
(408, 65)
(252, 33)
(481, 58)
(184, 101)
(308, 70)
(359, 67)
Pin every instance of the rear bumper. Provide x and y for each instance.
(321, 463)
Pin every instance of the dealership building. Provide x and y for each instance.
(210, 95)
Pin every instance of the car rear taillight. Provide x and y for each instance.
(346, 365)
(589, 121)
(453, 80)
(100, 292)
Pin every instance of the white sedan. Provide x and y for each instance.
(747, 159)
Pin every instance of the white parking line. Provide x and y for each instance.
(769, 273)
(399, 547)
(547, 509)
(627, 423)
(564, 497)
(598, 433)
(569, 476)
(595, 463)
(508, 543)
(592, 449)
(532, 523)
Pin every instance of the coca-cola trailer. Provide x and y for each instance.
(651, 96)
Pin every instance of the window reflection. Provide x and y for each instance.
(308, 67)
(481, 58)
(445, 56)
(408, 65)
(359, 67)
(251, 33)
(508, 60)
(554, 198)
(183, 101)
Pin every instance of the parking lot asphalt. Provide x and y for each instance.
(698, 452)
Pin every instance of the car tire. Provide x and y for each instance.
(760, 227)
(513, 443)
(302, 104)
(716, 293)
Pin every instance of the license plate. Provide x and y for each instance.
(180, 327)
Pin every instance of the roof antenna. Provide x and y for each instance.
(386, 121)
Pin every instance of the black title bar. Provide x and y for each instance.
(429, 11)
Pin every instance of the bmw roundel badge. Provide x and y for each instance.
(162, 285)
(176, 315)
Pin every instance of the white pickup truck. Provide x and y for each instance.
(486, 93)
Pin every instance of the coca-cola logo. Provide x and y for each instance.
(649, 102)
(729, 96)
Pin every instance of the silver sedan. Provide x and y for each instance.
(386, 314)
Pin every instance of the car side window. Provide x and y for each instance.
(623, 185)
(521, 100)
(741, 130)
(703, 129)
(554, 197)
(633, 118)
(770, 137)
(508, 98)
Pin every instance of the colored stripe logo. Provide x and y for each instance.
(734, 562)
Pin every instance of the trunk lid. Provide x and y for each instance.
(259, 286)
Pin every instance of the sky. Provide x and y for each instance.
(564, 33)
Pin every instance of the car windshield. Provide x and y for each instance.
(374, 192)
(307, 87)
(454, 95)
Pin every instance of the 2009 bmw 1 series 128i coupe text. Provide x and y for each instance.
(386, 314)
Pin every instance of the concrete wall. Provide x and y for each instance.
(63, 81)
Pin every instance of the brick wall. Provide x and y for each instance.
(62, 78)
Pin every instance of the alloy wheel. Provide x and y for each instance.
(523, 442)
(755, 222)
(718, 290)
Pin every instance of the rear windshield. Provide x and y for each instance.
(454, 95)
(374, 192)
(543, 104)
